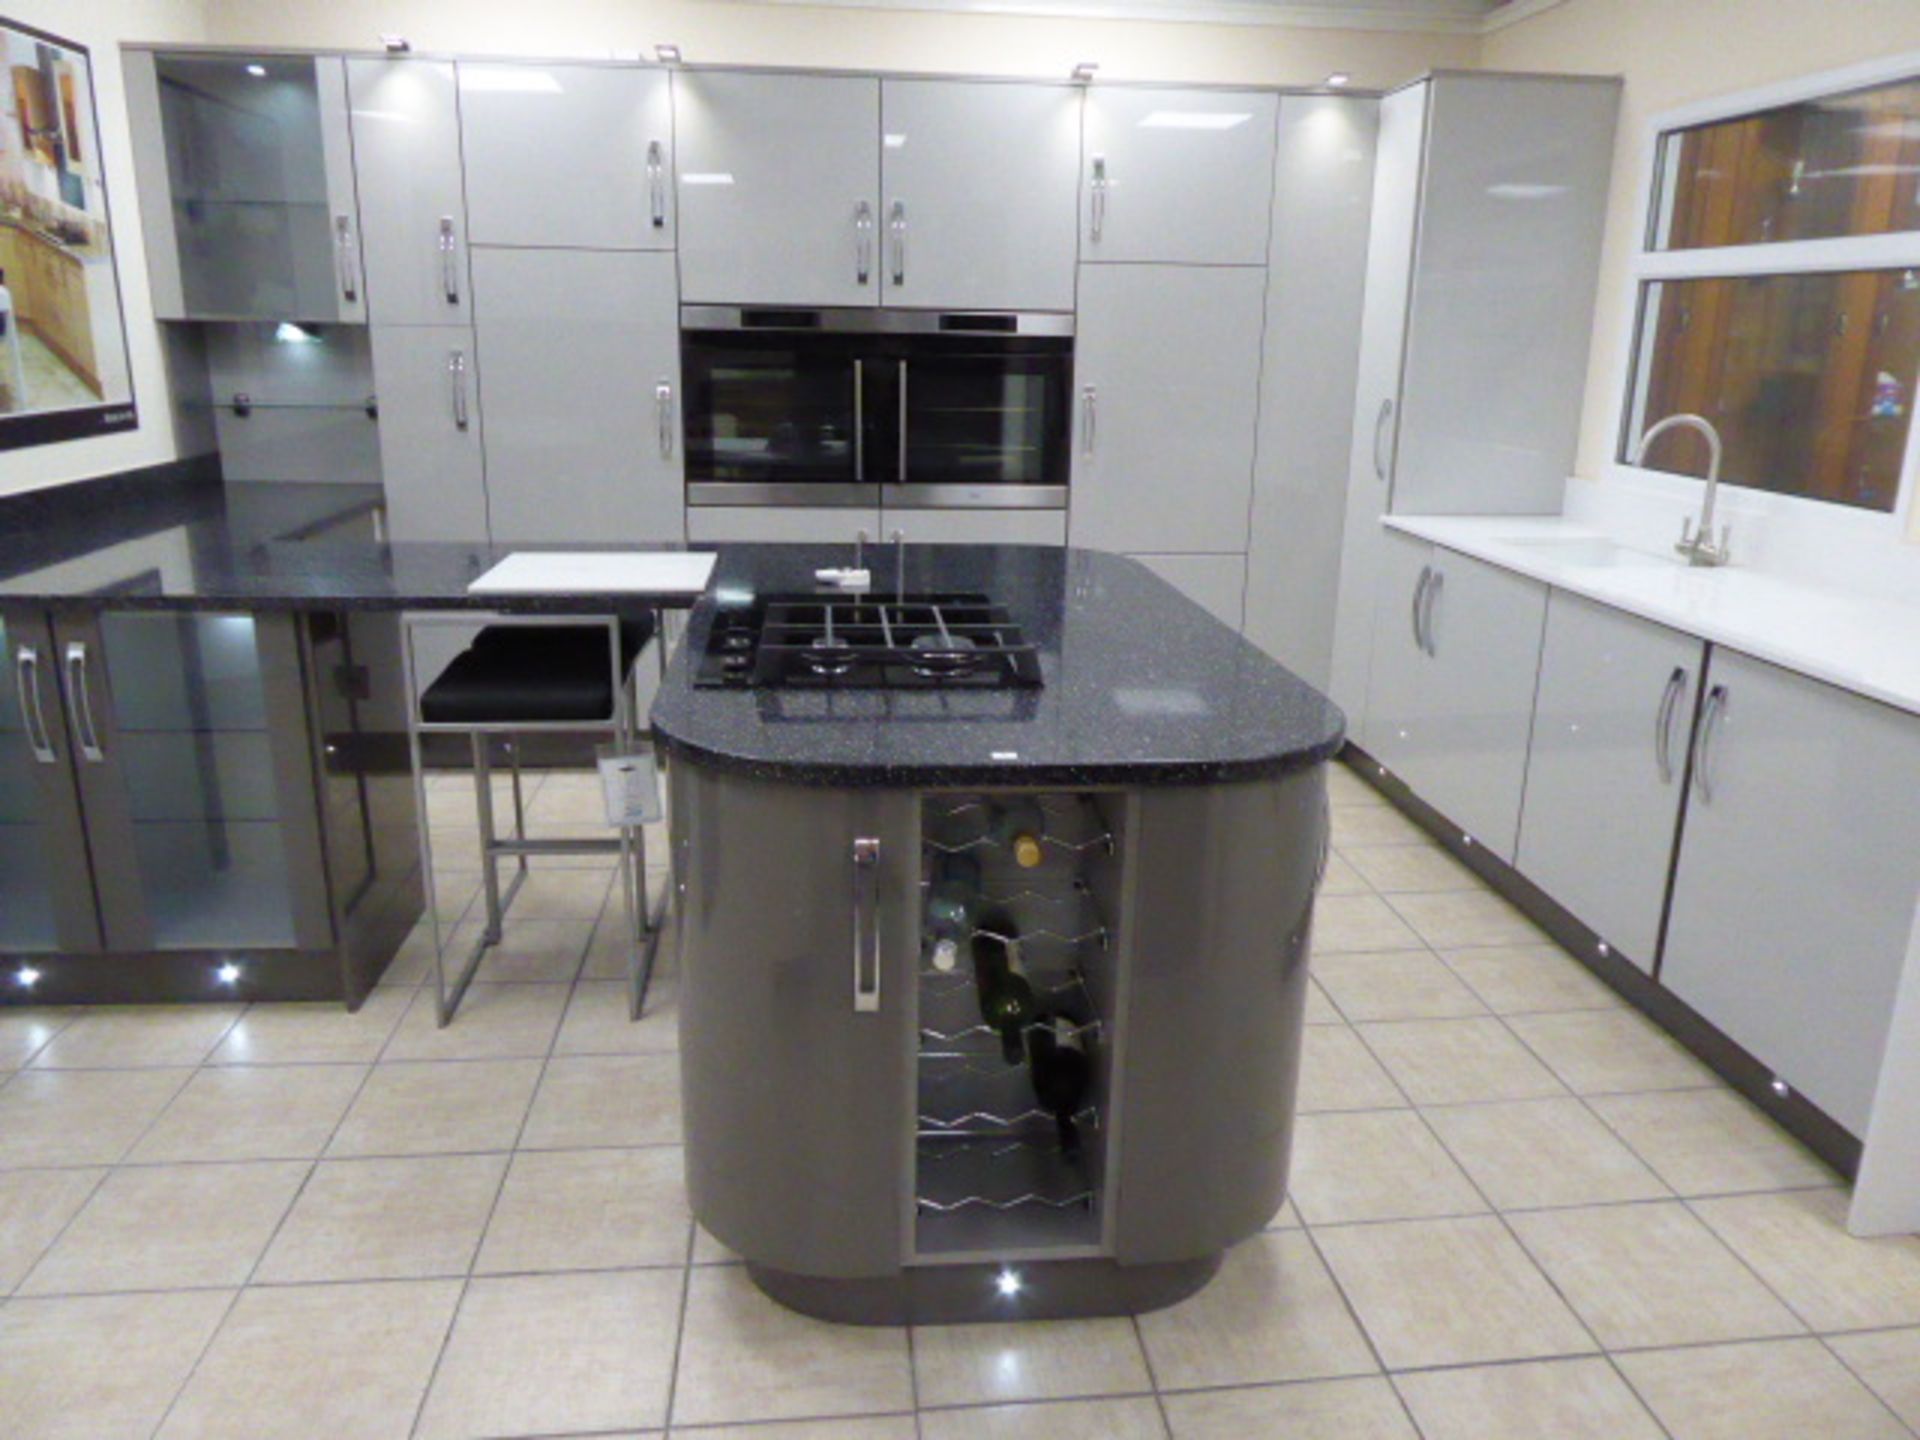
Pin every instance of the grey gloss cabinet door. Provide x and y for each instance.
(779, 188)
(1793, 899)
(1606, 772)
(581, 355)
(578, 155)
(413, 210)
(1167, 398)
(427, 378)
(978, 194)
(1177, 176)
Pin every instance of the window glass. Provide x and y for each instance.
(1808, 378)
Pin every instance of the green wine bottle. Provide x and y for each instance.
(1061, 1072)
(1007, 1002)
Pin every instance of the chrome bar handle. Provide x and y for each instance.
(866, 926)
(897, 230)
(1379, 435)
(663, 407)
(657, 182)
(82, 700)
(1419, 597)
(902, 476)
(457, 383)
(859, 418)
(1097, 199)
(1663, 723)
(1426, 613)
(33, 718)
(1089, 418)
(449, 261)
(1710, 716)
(343, 254)
(862, 242)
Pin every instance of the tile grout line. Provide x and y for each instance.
(1153, 1377)
(680, 1326)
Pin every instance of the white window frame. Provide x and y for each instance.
(1848, 252)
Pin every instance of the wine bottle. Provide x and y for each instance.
(953, 903)
(1062, 1072)
(1007, 1001)
(1020, 825)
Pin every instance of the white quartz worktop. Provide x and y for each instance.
(1870, 646)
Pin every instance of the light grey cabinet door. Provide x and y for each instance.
(431, 460)
(1167, 365)
(1607, 768)
(779, 188)
(979, 191)
(1793, 900)
(1399, 694)
(413, 210)
(578, 155)
(1177, 176)
(582, 356)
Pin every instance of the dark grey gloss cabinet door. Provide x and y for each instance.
(796, 1067)
(46, 886)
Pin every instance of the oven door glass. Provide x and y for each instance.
(981, 415)
(773, 410)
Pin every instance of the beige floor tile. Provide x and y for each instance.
(1383, 1165)
(455, 892)
(1515, 979)
(742, 1357)
(312, 1032)
(434, 1108)
(1538, 1400)
(1346, 923)
(1410, 869)
(1768, 1390)
(562, 895)
(1449, 1292)
(1395, 985)
(412, 963)
(596, 1022)
(1526, 1154)
(1798, 1242)
(253, 1112)
(494, 1022)
(1346, 787)
(590, 1100)
(609, 953)
(401, 1219)
(556, 1353)
(1285, 1218)
(1711, 1142)
(590, 1210)
(1381, 824)
(1604, 1052)
(1135, 1419)
(1889, 1362)
(1039, 1360)
(349, 1362)
(35, 1205)
(1342, 879)
(169, 1227)
(1454, 1062)
(1650, 1275)
(1337, 1072)
(101, 1367)
(80, 1117)
(709, 1251)
(1272, 1313)
(1363, 1409)
(1320, 1010)
(115, 1036)
(871, 1427)
(530, 951)
(1453, 920)
(24, 1033)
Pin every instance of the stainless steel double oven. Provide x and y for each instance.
(860, 406)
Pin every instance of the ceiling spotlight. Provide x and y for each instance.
(395, 44)
(1008, 1283)
(667, 54)
(1339, 78)
(26, 977)
(228, 973)
(258, 71)
(1083, 72)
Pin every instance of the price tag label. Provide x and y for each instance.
(632, 787)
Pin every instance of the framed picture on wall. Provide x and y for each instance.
(64, 372)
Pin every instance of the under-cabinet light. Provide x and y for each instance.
(258, 71)
(668, 54)
(228, 973)
(288, 333)
(1083, 72)
(1339, 78)
(26, 977)
(1008, 1283)
(395, 44)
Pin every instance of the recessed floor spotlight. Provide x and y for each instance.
(258, 71)
(228, 973)
(26, 977)
(1008, 1283)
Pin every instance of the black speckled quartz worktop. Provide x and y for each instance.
(1142, 686)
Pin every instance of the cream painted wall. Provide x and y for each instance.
(101, 25)
(1672, 53)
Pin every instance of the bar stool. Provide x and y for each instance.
(552, 673)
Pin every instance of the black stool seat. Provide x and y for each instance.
(533, 674)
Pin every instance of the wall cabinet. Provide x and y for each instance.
(979, 190)
(1167, 369)
(581, 354)
(1607, 768)
(431, 457)
(1450, 699)
(576, 155)
(413, 210)
(779, 188)
(1793, 896)
(246, 186)
(1177, 176)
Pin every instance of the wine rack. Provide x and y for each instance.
(992, 1176)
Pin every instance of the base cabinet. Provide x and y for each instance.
(1793, 897)
(1607, 768)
